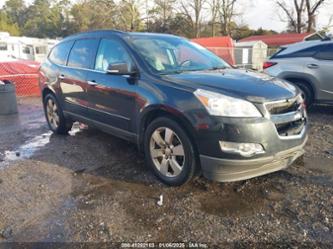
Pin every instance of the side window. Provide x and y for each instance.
(59, 53)
(41, 50)
(307, 52)
(110, 52)
(277, 53)
(83, 53)
(326, 53)
(26, 50)
(3, 46)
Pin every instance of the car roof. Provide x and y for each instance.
(109, 32)
(303, 45)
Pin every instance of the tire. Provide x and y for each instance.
(306, 93)
(166, 160)
(55, 117)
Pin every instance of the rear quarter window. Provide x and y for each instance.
(59, 53)
(326, 53)
(276, 54)
(307, 52)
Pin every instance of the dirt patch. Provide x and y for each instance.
(93, 187)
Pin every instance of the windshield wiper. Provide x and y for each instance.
(179, 71)
(171, 72)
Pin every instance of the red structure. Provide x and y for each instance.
(24, 74)
(281, 39)
(222, 46)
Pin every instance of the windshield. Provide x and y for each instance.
(168, 54)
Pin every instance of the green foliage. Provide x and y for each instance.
(240, 32)
(93, 14)
(161, 16)
(180, 25)
(15, 10)
(59, 18)
(7, 26)
(129, 16)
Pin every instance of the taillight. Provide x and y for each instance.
(268, 64)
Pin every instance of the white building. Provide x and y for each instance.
(26, 48)
(251, 54)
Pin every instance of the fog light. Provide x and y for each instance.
(243, 149)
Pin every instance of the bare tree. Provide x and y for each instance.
(227, 13)
(295, 14)
(311, 9)
(164, 11)
(192, 10)
(214, 11)
(301, 14)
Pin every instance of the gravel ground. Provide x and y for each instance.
(93, 187)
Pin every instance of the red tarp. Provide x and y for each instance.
(24, 74)
(222, 46)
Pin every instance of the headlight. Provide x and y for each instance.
(221, 105)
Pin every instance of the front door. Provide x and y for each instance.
(111, 97)
(325, 71)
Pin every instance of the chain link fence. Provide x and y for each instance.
(24, 75)
(249, 58)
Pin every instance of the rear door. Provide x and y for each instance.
(324, 63)
(74, 76)
(111, 97)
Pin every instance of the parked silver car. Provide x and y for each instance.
(309, 65)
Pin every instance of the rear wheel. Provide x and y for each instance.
(54, 115)
(169, 152)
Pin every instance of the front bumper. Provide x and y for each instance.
(280, 148)
(228, 170)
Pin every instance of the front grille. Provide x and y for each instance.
(289, 116)
(290, 129)
(282, 107)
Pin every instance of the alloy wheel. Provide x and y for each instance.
(167, 152)
(52, 113)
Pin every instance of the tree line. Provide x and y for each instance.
(301, 15)
(189, 18)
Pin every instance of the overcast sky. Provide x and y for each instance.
(264, 13)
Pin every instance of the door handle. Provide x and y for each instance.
(92, 83)
(61, 77)
(313, 66)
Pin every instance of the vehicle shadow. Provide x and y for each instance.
(321, 109)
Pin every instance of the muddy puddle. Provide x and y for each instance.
(33, 145)
(26, 150)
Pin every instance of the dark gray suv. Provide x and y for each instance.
(309, 65)
(184, 107)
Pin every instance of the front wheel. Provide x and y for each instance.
(54, 115)
(169, 152)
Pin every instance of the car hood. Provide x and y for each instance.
(253, 86)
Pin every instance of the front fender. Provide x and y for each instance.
(308, 78)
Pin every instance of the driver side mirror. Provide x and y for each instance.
(121, 68)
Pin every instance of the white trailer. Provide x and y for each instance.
(26, 48)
